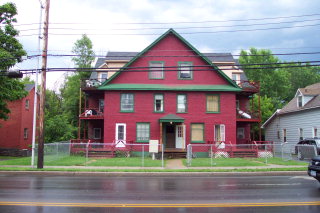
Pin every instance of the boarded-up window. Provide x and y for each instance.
(197, 132)
(213, 103)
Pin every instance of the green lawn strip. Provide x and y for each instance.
(154, 170)
(223, 162)
(21, 161)
(132, 161)
(279, 161)
(81, 161)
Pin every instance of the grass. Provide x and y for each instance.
(81, 161)
(224, 162)
(279, 161)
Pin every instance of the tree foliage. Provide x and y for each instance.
(11, 52)
(278, 82)
(57, 126)
(62, 122)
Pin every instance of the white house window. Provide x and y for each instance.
(104, 76)
(300, 134)
(156, 70)
(182, 103)
(96, 133)
(127, 102)
(219, 132)
(185, 70)
(25, 133)
(236, 77)
(158, 103)
(300, 101)
(143, 132)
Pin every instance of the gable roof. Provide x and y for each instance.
(170, 31)
(28, 87)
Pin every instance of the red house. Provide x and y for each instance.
(169, 92)
(16, 132)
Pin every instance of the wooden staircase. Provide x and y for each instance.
(101, 154)
(244, 154)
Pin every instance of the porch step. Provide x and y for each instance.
(175, 155)
(101, 154)
(244, 154)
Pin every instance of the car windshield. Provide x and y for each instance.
(318, 142)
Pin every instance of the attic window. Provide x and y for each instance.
(185, 70)
(156, 70)
(300, 101)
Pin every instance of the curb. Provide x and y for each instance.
(155, 174)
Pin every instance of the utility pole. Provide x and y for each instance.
(43, 85)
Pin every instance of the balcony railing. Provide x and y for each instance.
(92, 113)
(92, 83)
(249, 86)
(253, 115)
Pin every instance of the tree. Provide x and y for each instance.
(11, 52)
(70, 92)
(273, 81)
(57, 125)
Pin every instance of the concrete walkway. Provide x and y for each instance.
(175, 164)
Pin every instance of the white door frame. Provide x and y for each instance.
(121, 142)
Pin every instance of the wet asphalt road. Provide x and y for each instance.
(168, 193)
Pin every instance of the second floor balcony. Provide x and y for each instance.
(92, 113)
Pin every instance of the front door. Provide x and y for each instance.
(180, 136)
(120, 135)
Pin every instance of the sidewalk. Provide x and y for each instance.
(172, 164)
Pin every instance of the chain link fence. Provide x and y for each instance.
(211, 152)
(103, 154)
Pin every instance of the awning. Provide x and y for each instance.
(171, 118)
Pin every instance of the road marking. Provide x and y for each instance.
(146, 205)
(262, 184)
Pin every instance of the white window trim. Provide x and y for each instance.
(125, 131)
(222, 132)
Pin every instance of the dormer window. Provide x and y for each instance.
(300, 101)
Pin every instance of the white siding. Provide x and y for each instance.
(307, 120)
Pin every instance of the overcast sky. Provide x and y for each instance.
(209, 25)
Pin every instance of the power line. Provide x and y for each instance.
(186, 22)
(162, 28)
(185, 33)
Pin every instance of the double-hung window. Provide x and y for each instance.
(158, 103)
(143, 132)
(213, 103)
(127, 102)
(156, 70)
(197, 133)
(219, 133)
(181, 103)
(185, 70)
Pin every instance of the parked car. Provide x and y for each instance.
(314, 168)
(303, 153)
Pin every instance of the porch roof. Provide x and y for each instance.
(171, 118)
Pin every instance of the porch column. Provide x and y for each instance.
(160, 142)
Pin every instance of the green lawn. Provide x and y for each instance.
(223, 162)
(279, 161)
(81, 161)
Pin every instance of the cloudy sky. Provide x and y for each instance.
(284, 26)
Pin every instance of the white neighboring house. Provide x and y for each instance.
(299, 119)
